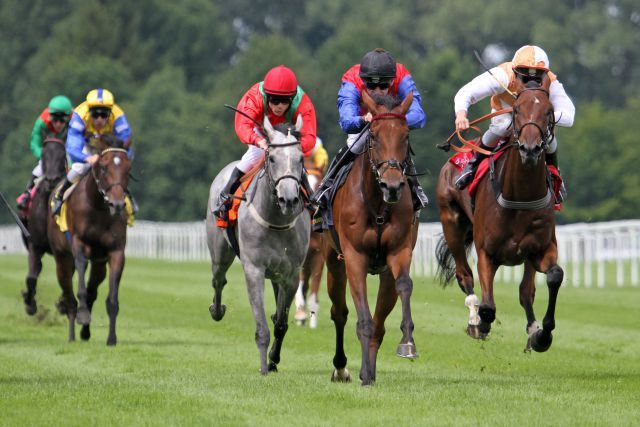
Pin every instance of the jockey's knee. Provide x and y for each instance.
(553, 146)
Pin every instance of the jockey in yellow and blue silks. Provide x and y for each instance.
(98, 115)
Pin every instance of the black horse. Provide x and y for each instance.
(97, 233)
(54, 165)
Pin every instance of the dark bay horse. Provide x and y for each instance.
(312, 268)
(273, 236)
(97, 222)
(54, 166)
(513, 221)
(377, 230)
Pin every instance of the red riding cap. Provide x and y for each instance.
(280, 81)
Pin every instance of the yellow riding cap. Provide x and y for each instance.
(100, 98)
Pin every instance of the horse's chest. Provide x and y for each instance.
(514, 247)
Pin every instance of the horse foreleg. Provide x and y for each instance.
(336, 288)
(541, 340)
(35, 267)
(487, 310)
(80, 260)
(527, 296)
(67, 303)
(96, 276)
(254, 277)
(386, 300)
(400, 264)
(281, 320)
(116, 266)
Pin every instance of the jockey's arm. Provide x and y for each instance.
(479, 88)
(245, 128)
(563, 108)
(416, 117)
(308, 131)
(349, 108)
(36, 138)
(75, 140)
(122, 131)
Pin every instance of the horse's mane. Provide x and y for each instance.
(285, 128)
(389, 101)
(107, 141)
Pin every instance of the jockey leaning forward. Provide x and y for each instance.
(279, 98)
(98, 115)
(378, 74)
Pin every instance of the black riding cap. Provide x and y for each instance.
(377, 65)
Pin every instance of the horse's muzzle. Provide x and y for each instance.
(115, 208)
(530, 155)
(391, 193)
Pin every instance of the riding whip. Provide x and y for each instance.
(24, 230)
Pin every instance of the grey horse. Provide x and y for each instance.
(273, 237)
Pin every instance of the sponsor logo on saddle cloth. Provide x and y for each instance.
(61, 219)
(460, 160)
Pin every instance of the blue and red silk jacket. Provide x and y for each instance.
(350, 105)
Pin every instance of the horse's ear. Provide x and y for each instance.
(299, 123)
(546, 81)
(371, 105)
(268, 127)
(406, 104)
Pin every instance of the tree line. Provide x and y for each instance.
(173, 66)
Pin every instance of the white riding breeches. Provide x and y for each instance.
(356, 145)
(499, 127)
(78, 169)
(250, 159)
(37, 171)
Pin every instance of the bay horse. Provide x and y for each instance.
(97, 222)
(376, 229)
(54, 167)
(513, 221)
(273, 236)
(313, 266)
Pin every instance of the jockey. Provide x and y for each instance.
(528, 63)
(378, 74)
(279, 98)
(52, 122)
(98, 115)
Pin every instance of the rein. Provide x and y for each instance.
(470, 145)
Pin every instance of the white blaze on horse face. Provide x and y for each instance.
(117, 161)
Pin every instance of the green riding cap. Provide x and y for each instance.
(60, 104)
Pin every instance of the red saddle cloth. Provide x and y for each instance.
(460, 160)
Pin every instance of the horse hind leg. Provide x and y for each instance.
(301, 315)
(541, 339)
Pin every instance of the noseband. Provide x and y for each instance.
(101, 190)
(545, 135)
(376, 167)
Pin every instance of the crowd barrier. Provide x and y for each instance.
(591, 254)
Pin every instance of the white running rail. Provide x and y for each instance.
(593, 254)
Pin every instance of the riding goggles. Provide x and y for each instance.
(100, 112)
(277, 101)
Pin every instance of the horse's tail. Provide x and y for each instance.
(446, 263)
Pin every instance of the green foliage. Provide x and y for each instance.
(173, 65)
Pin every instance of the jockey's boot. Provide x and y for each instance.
(420, 199)
(344, 157)
(56, 203)
(221, 209)
(26, 196)
(552, 159)
(467, 174)
(134, 203)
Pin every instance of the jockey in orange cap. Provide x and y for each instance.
(528, 63)
(279, 98)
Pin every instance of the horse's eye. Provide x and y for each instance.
(272, 160)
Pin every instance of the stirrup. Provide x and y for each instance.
(56, 204)
(223, 206)
(464, 179)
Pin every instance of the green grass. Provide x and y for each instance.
(174, 365)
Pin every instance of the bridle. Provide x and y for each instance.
(378, 166)
(546, 135)
(273, 183)
(62, 143)
(104, 190)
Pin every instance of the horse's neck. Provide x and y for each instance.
(371, 193)
(522, 183)
(89, 186)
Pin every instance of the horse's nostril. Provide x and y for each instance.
(281, 200)
(383, 184)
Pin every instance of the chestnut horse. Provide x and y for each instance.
(54, 167)
(377, 230)
(311, 273)
(97, 221)
(513, 221)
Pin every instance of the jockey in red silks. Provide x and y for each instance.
(279, 98)
(528, 63)
(52, 122)
(378, 74)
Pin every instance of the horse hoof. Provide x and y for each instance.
(474, 332)
(539, 342)
(407, 351)
(273, 367)
(341, 376)
(217, 313)
(31, 309)
(487, 314)
(83, 317)
(484, 329)
(85, 333)
(313, 321)
(61, 307)
(300, 317)
(111, 342)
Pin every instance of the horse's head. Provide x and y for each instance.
(389, 142)
(533, 120)
(111, 173)
(284, 164)
(54, 160)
